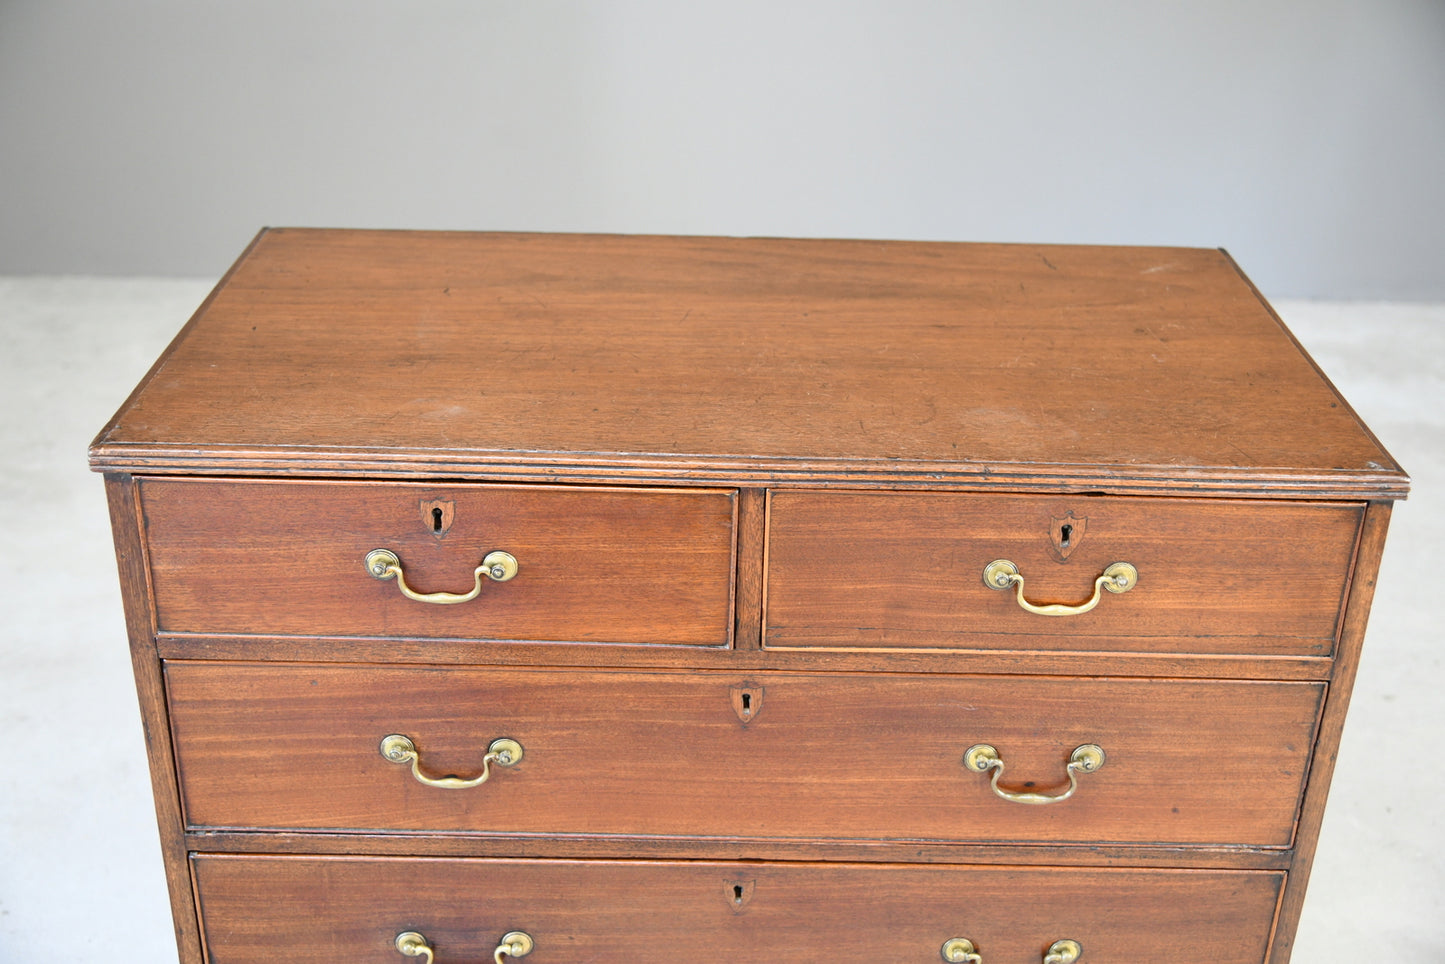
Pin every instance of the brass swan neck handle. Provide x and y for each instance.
(497, 566)
(1001, 574)
(981, 758)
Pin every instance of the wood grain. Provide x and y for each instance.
(812, 851)
(526, 356)
(1332, 722)
(665, 754)
(752, 485)
(260, 909)
(904, 570)
(130, 559)
(752, 548)
(596, 565)
(400, 651)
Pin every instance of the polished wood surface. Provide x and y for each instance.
(1332, 722)
(837, 756)
(130, 557)
(751, 485)
(595, 565)
(265, 909)
(901, 570)
(588, 847)
(532, 356)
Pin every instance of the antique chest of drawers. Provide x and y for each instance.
(715, 600)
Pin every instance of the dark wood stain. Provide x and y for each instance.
(841, 756)
(751, 486)
(643, 913)
(530, 356)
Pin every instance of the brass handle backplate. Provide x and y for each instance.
(960, 949)
(398, 748)
(1063, 952)
(981, 758)
(514, 944)
(412, 944)
(497, 566)
(1001, 574)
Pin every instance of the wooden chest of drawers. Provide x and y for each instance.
(715, 600)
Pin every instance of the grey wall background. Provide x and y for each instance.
(155, 137)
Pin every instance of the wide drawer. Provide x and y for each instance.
(594, 564)
(906, 570)
(348, 909)
(712, 754)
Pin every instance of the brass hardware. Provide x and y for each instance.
(498, 566)
(413, 944)
(1001, 574)
(400, 749)
(981, 758)
(1063, 952)
(961, 949)
(514, 944)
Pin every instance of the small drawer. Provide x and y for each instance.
(776, 756)
(907, 571)
(594, 565)
(345, 909)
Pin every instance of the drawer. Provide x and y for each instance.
(712, 754)
(347, 909)
(906, 570)
(593, 564)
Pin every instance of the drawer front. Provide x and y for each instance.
(266, 909)
(594, 565)
(905, 570)
(774, 756)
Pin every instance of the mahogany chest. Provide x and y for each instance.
(647, 599)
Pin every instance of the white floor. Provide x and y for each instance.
(80, 871)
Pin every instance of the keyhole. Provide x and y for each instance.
(1066, 532)
(436, 519)
(737, 893)
(747, 702)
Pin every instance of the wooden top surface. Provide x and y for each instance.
(615, 358)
